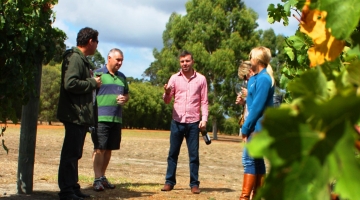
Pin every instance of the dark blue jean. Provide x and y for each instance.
(252, 165)
(71, 152)
(190, 132)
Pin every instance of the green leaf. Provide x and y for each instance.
(289, 51)
(353, 52)
(310, 84)
(269, 19)
(354, 73)
(344, 166)
(297, 42)
(340, 14)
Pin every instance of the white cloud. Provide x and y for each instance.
(136, 26)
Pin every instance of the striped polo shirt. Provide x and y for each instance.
(111, 87)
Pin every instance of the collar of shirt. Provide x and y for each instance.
(181, 74)
(261, 72)
(105, 70)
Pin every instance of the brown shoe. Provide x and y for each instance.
(195, 190)
(167, 187)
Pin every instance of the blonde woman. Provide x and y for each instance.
(259, 97)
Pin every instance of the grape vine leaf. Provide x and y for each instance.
(353, 53)
(326, 46)
(276, 14)
(310, 84)
(314, 145)
(344, 13)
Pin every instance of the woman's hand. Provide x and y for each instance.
(244, 92)
(240, 100)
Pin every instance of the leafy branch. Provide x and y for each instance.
(315, 144)
(2, 130)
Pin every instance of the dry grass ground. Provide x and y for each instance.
(137, 169)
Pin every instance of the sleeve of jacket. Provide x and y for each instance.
(73, 81)
(263, 87)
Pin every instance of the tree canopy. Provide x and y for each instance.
(26, 38)
(49, 93)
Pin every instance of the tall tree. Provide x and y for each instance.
(268, 39)
(27, 39)
(49, 93)
(219, 34)
(97, 61)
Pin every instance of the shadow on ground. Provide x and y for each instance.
(121, 191)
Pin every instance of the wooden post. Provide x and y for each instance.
(27, 142)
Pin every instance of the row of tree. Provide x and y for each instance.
(220, 34)
(145, 109)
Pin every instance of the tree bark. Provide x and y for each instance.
(215, 129)
(27, 142)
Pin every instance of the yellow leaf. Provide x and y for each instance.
(326, 47)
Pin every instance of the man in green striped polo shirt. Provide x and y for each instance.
(110, 97)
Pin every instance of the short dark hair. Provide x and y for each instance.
(185, 53)
(84, 35)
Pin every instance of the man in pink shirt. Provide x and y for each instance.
(189, 89)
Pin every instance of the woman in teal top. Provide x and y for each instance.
(260, 96)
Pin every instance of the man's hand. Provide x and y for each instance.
(202, 125)
(167, 89)
(121, 100)
(98, 81)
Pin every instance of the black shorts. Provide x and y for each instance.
(107, 136)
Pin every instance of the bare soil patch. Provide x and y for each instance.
(137, 169)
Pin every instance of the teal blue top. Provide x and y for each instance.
(260, 95)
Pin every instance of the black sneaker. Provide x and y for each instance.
(82, 195)
(98, 186)
(106, 183)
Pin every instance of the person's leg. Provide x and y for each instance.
(114, 140)
(249, 175)
(100, 139)
(98, 162)
(176, 138)
(258, 183)
(260, 171)
(70, 154)
(107, 156)
(192, 141)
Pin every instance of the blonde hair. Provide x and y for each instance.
(263, 56)
(270, 71)
(243, 69)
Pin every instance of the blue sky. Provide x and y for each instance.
(136, 26)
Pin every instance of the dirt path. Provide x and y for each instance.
(137, 170)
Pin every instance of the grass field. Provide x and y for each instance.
(137, 169)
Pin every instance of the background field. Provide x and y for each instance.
(137, 169)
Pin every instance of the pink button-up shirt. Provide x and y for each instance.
(190, 95)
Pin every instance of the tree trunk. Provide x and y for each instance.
(27, 142)
(215, 129)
